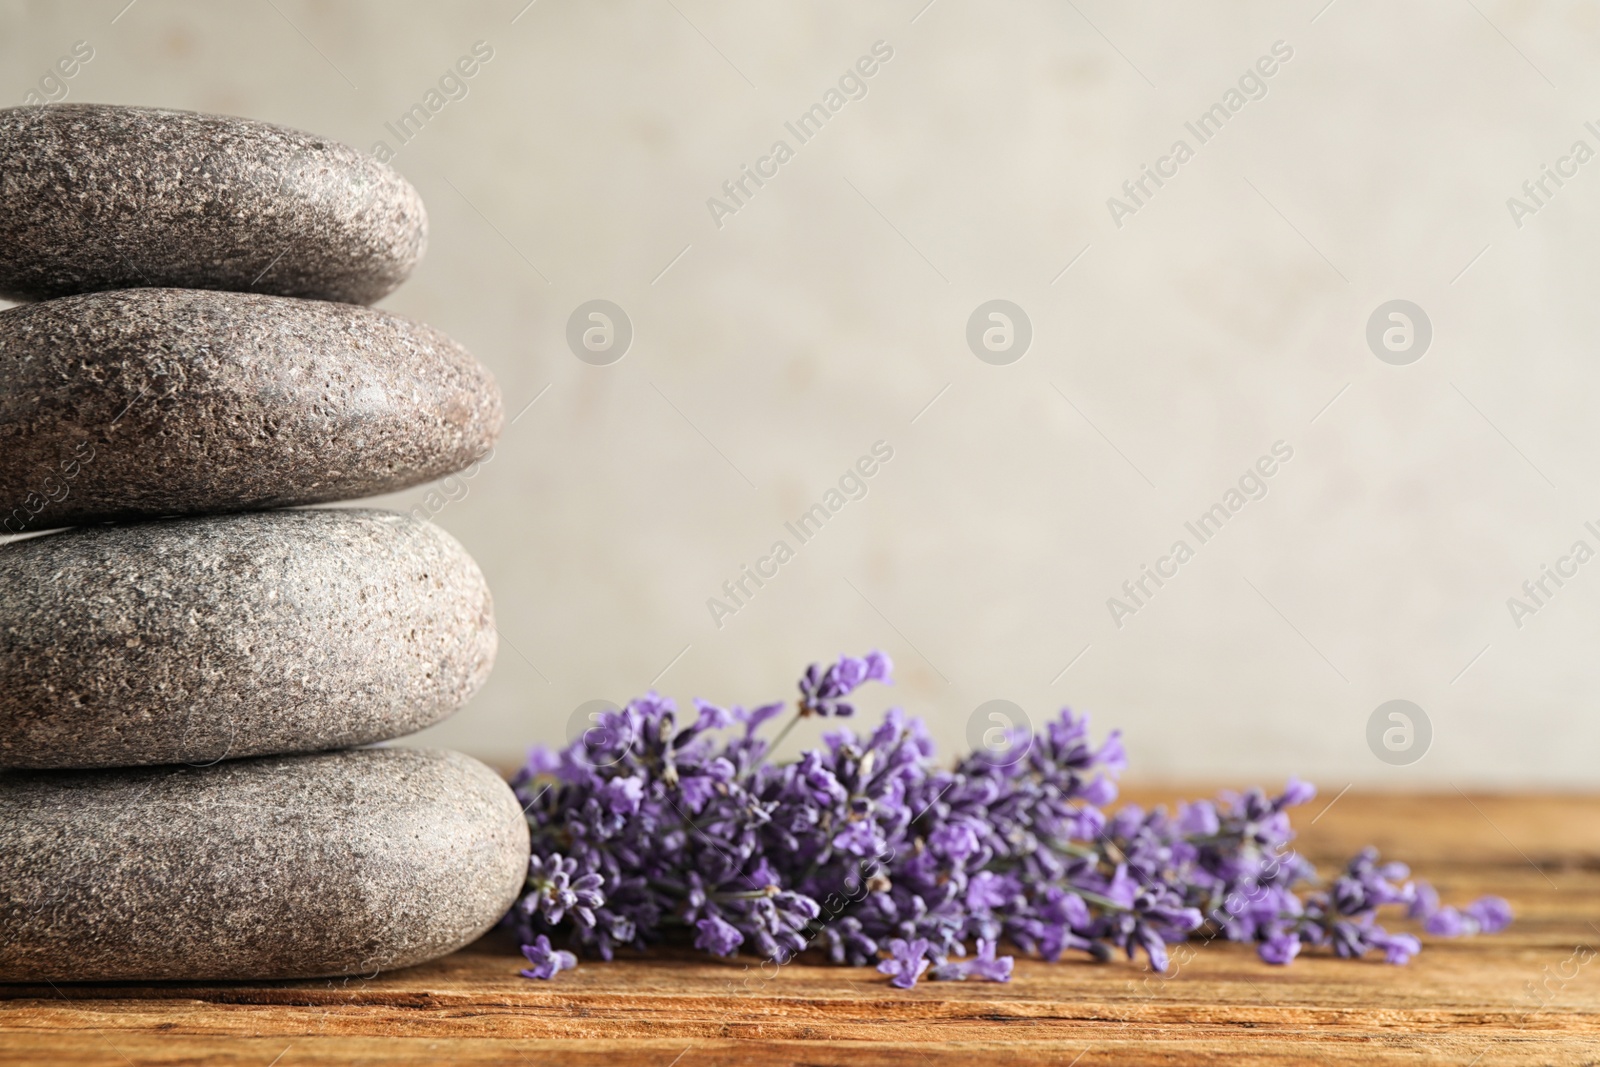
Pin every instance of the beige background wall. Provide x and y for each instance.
(1223, 316)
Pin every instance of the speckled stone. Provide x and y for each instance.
(286, 867)
(95, 196)
(194, 640)
(145, 402)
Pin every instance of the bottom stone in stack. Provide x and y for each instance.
(280, 867)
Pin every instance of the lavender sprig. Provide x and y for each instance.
(866, 850)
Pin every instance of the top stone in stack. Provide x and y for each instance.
(101, 197)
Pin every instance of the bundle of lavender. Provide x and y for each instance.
(870, 852)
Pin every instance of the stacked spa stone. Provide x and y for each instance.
(184, 674)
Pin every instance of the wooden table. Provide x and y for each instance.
(1528, 996)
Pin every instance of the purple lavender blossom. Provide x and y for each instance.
(864, 849)
(822, 690)
(1492, 914)
(1280, 948)
(1486, 915)
(717, 936)
(907, 960)
(547, 962)
(984, 965)
(552, 890)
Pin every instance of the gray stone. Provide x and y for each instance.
(287, 867)
(195, 640)
(145, 402)
(105, 197)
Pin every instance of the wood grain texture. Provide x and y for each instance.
(1530, 996)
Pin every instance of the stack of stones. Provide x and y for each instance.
(185, 672)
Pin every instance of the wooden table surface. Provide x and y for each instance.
(1527, 996)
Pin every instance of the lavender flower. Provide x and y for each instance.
(717, 936)
(1492, 914)
(822, 691)
(907, 960)
(864, 849)
(547, 962)
(984, 966)
(1486, 915)
(552, 890)
(1279, 948)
